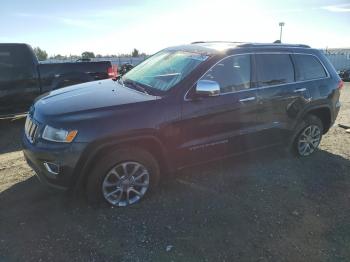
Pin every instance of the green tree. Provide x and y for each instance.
(73, 56)
(59, 56)
(135, 53)
(87, 55)
(40, 54)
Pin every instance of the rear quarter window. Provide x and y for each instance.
(274, 69)
(308, 67)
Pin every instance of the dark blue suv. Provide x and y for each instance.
(183, 106)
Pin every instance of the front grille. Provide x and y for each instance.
(30, 129)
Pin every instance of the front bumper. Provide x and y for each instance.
(66, 156)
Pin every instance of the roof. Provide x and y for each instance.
(219, 47)
(12, 44)
(229, 45)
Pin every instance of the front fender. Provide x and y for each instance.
(96, 149)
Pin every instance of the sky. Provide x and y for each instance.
(114, 27)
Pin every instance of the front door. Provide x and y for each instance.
(213, 127)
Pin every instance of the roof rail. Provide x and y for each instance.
(213, 42)
(273, 44)
(247, 44)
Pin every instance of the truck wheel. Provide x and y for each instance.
(309, 138)
(122, 177)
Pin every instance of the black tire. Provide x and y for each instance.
(107, 162)
(308, 122)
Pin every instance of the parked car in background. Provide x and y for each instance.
(22, 78)
(345, 74)
(183, 106)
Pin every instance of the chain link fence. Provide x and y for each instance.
(340, 58)
(114, 60)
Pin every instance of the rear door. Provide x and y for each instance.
(19, 84)
(280, 97)
(213, 127)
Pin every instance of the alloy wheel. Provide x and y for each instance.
(309, 140)
(125, 184)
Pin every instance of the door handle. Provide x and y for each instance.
(299, 90)
(247, 99)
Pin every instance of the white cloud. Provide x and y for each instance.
(120, 29)
(337, 8)
(77, 23)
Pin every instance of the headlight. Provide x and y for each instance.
(58, 135)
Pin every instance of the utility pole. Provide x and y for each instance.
(281, 24)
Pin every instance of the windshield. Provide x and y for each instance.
(165, 69)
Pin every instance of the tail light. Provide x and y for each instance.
(340, 84)
(112, 71)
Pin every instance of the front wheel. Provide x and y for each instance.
(122, 178)
(309, 137)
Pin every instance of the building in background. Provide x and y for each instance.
(117, 60)
(339, 57)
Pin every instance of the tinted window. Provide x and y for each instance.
(274, 69)
(6, 65)
(232, 74)
(15, 63)
(5, 59)
(309, 67)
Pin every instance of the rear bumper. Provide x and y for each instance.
(337, 108)
(65, 156)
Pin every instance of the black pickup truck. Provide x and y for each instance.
(23, 78)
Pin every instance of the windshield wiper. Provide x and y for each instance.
(135, 85)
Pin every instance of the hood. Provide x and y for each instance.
(89, 96)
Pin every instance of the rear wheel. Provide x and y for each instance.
(309, 138)
(123, 178)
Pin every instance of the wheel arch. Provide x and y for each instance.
(323, 112)
(95, 151)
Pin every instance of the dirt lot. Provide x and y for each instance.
(259, 207)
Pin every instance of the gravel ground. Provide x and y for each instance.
(257, 207)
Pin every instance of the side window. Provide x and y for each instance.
(232, 73)
(15, 63)
(6, 65)
(309, 67)
(274, 69)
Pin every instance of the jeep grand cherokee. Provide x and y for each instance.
(183, 106)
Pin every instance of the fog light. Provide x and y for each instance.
(52, 168)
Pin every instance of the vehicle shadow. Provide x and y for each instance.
(10, 134)
(247, 207)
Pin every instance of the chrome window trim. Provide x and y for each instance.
(262, 87)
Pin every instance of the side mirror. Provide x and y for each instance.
(207, 88)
